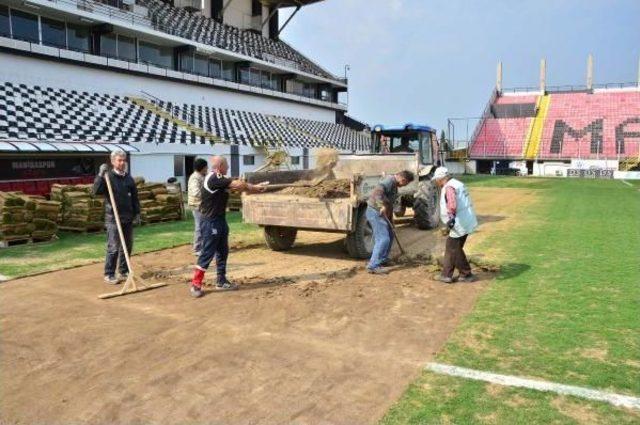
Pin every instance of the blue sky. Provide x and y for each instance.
(424, 61)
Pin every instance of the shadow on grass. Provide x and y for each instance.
(511, 270)
(490, 218)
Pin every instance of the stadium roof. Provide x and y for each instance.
(62, 146)
(288, 3)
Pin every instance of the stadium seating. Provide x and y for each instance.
(180, 22)
(583, 125)
(43, 113)
(250, 128)
(500, 138)
(600, 124)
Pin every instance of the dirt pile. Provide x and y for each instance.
(328, 189)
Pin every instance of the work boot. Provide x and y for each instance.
(468, 278)
(111, 280)
(443, 279)
(378, 270)
(224, 285)
(389, 263)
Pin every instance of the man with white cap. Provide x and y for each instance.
(456, 212)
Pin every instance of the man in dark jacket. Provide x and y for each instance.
(126, 198)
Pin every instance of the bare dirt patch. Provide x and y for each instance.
(309, 338)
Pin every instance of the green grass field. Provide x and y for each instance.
(78, 249)
(566, 308)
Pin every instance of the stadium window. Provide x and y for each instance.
(215, 68)
(156, 55)
(201, 65)
(186, 62)
(24, 26)
(127, 48)
(295, 160)
(295, 87)
(178, 165)
(228, 71)
(248, 160)
(78, 37)
(256, 8)
(53, 32)
(245, 75)
(5, 28)
(108, 45)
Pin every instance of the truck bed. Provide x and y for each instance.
(298, 211)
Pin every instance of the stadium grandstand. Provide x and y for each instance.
(167, 81)
(553, 131)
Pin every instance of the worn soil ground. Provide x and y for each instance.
(309, 339)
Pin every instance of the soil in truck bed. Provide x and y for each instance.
(328, 189)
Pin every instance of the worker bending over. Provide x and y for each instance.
(456, 212)
(214, 227)
(380, 215)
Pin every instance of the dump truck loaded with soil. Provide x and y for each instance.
(332, 198)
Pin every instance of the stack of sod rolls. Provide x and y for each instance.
(81, 211)
(156, 203)
(44, 216)
(15, 220)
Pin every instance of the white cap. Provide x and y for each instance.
(441, 172)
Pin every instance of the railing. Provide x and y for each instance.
(571, 87)
(100, 8)
(154, 69)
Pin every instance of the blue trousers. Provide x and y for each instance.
(382, 238)
(215, 244)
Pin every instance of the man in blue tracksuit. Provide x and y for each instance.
(214, 227)
(380, 214)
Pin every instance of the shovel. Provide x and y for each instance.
(395, 236)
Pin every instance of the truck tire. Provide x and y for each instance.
(280, 238)
(359, 243)
(425, 206)
(399, 210)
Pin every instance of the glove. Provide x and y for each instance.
(451, 222)
(104, 168)
(444, 231)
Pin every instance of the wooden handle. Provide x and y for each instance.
(118, 224)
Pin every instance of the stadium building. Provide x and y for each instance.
(167, 81)
(571, 131)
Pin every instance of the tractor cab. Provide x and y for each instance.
(410, 138)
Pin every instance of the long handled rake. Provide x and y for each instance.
(133, 283)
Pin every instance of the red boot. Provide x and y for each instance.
(196, 283)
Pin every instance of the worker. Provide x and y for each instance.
(456, 212)
(403, 147)
(214, 227)
(194, 191)
(125, 195)
(379, 214)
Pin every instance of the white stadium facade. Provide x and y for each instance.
(166, 81)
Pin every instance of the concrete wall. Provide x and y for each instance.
(238, 14)
(35, 71)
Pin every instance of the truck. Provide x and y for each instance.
(393, 149)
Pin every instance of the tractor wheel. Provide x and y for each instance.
(280, 238)
(360, 242)
(425, 206)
